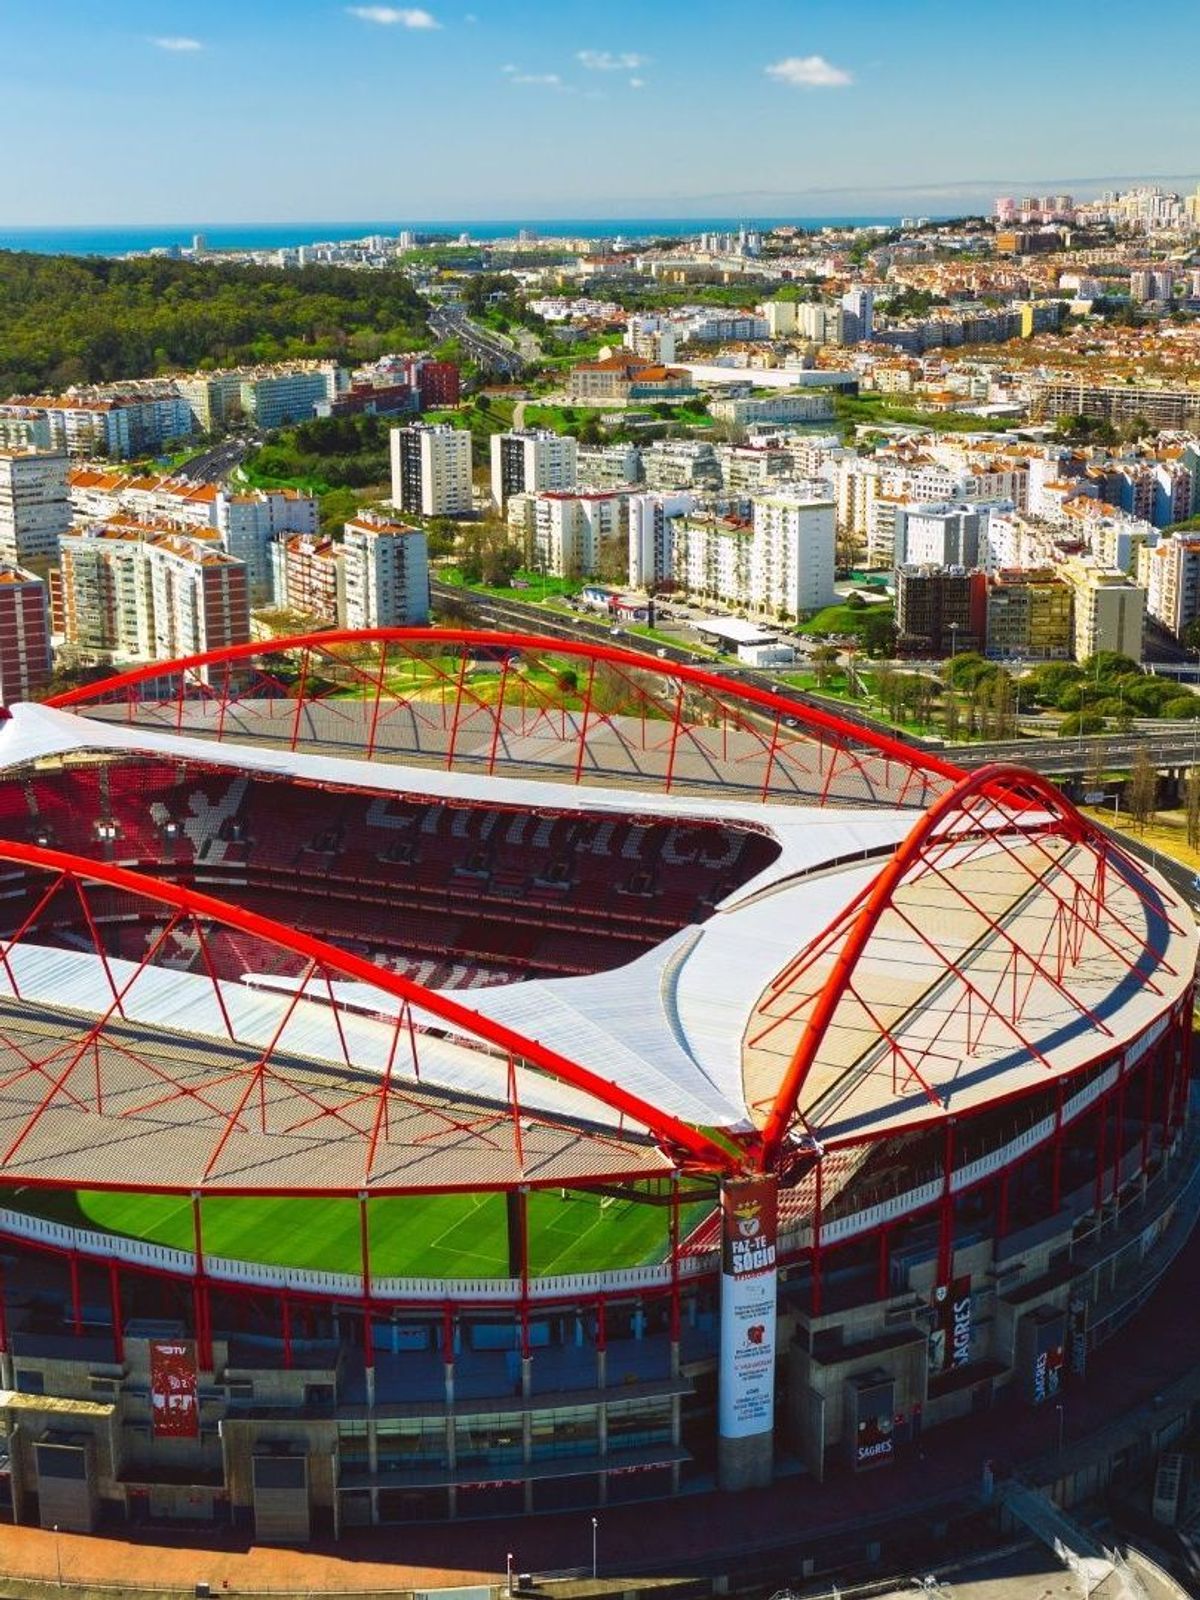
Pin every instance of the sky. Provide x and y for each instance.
(148, 111)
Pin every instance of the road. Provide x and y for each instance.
(1175, 746)
(215, 465)
(449, 321)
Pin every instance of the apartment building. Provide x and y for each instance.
(431, 470)
(268, 396)
(35, 507)
(310, 577)
(792, 552)
(1030, 615)
(939, 610)
(937, 535)
(141, 592)
(104, 421)
(1109, 609)
(748, 410)
(250, 523)
(531, 460)
(584, 533)
(199, 596)
(681, 464)
(652, 520)
(711, 557)
(1170, 574)
(1068, 396)
(608, 466)
(25, 658)
(386, 579)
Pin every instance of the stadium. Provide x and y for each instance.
(449, 1074)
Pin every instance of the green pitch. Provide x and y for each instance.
(451, 1236)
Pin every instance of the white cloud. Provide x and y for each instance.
(610, 61)
(545, 80)
(177, 43)
(809, 72)
(394, 16)
(637, 83)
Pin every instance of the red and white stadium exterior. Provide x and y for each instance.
(933, 1053)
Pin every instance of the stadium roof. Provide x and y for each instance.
(890, 968)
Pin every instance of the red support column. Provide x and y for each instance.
(201, 1300)
(76, 1304)
(118, 1325)
(816, 1245)
(946, 1228)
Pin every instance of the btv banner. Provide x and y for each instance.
(748, 1291)
(173, 1398)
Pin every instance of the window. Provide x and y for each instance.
(635, 1424)
(569, 1431)
(489, 1440)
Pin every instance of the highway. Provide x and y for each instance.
(449, 321)
(215, 465)
(1177, 745)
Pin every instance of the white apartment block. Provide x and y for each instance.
(107, 605)
(748, 409)
(386, 566)
(793, 550)
(269, 396)
(937, 536)
(1170, 574)
(431, 470)
(581, 534)
(608, 466)
(249, 524)
(711, 557)
(35, 509)
(531, 460)
(652, 519)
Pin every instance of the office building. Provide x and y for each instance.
(939, 610)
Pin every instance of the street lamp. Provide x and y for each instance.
(954, 627)
(508, 1568)
(595, 1531)
(58, 1555)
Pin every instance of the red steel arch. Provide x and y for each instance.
(1008, 791)
(689, 1146)
(838, 731)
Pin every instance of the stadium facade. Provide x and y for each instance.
(448, 1074)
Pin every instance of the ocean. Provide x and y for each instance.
(119, 241)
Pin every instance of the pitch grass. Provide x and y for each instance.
(450, 1236)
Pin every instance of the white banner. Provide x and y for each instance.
(749, 1284)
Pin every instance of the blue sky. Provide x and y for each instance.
(265, 110)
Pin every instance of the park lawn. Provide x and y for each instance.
(457, 1235)
(844, 619)
(529, 588)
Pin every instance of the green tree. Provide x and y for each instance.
(1141, 792)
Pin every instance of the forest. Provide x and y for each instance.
(67, 320)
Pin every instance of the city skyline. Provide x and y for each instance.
(533, 112)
